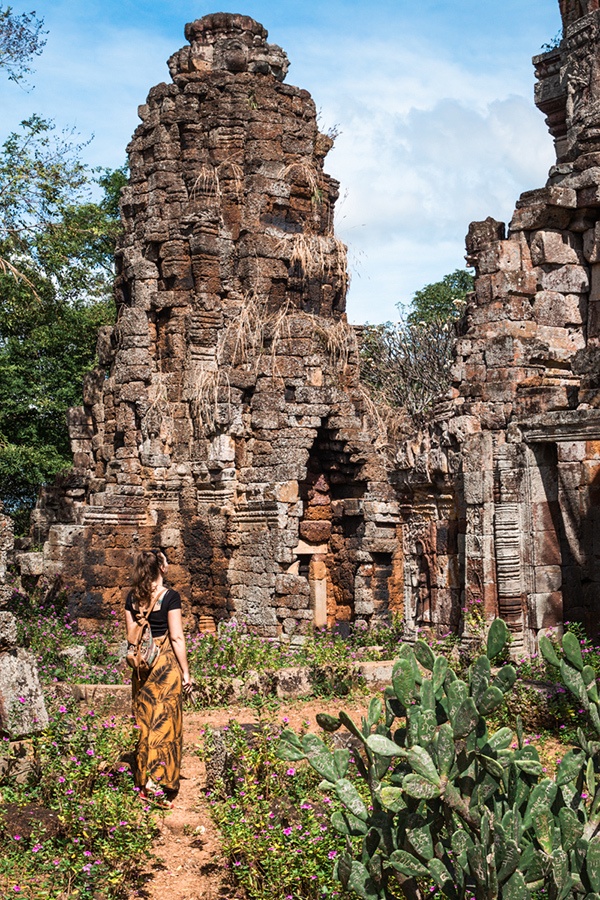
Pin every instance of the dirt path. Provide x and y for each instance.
(187, 862)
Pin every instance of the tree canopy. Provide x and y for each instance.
(55, 293)
(21, 38)
(442, 300)
(59, 221)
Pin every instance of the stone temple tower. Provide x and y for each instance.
(225, 423)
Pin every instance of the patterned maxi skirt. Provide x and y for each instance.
(158, 713)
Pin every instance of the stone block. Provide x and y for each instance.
(554, 247)
(547, 579)
(532, 218)
(304, 549)
(30, 563)
(315, 532)
(591, 244)
(112, 699)
(546, 548)
(505, 255)
(22, 707)
(569, 279)
(545, 609)
(557, 309)
(287, 492)
(376, 673)
(519, 282)
(293, 682)
(483, 234)
(291, 584)
(8, 630)
(364, 607)
(74, 654)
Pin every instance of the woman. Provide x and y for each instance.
(157, 697)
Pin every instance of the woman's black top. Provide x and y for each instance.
(158, 617)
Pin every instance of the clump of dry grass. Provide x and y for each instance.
(254, 337)
(256, 331)
(243, 338)
(206, 184)
(387, 425)
(317, 256)
(305, 171)
(339, 340)
(203, 390)
(210, 180)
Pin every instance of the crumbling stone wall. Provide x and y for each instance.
(22, 706)
(225, 422)
(511, 469)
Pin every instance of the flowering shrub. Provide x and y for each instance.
(215, 659)
(45, 626)
(76, 826)
(275, 822)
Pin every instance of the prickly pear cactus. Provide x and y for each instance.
(435, 800)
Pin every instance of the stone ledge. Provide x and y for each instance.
(116, 698)
(287, 684)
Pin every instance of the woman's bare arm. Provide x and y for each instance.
(178, 641)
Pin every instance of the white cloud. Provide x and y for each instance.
(424, 149)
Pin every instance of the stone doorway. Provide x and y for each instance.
(331, 529)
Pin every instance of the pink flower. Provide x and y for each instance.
(332, 854)
(16, 837)
(291, 771)
(62, 709)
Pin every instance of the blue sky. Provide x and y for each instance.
(433, 102)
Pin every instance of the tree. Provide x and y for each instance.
(56, 269)
(21, 38)
(406, 364)
(441, 301)
(55, 292)
(49, 320)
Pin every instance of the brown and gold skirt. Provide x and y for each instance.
(158, 713)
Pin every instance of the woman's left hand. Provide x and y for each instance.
(187, 684)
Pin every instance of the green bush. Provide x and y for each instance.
(45, 626)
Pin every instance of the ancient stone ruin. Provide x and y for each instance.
(226, 422)
(503, 491)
